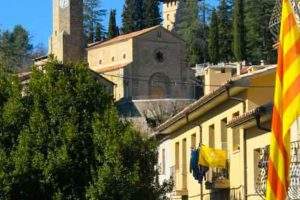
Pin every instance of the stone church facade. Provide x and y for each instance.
(147, 64)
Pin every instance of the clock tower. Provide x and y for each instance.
(67, 40)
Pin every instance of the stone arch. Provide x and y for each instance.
(159, 86)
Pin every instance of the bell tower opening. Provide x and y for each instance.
(169, 13)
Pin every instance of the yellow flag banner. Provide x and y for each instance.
(210, 157)
(286, 104)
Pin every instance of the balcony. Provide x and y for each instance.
(218, 179)
(261, 181)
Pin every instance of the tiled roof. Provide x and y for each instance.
(265, 109)
(122, 37)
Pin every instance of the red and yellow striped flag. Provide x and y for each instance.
(286, 104)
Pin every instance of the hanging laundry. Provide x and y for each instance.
(210, 157)
(197, 171)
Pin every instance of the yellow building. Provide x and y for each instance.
(214, 121)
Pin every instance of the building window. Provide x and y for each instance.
(177, 156)
(163, 167)
(235, 135)
(212, 136)
(124, 56)
(184, 164)
(159, 56)
(256, 158)
(113, 59)
(168, 16)
(223, 70)
(193, 141)
(224, 134)
(100, 62)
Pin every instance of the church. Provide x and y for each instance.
(145, 65)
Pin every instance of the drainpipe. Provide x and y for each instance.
(244, 139)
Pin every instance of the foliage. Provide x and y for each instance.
(92, 22)
(113, 30)
(192, 31)
(213, 38)
(15, 48)
(259, 39)
(225, 35)
(152, 13)
(239, 44)
(133, 16)
(140, 14)
(64, 140)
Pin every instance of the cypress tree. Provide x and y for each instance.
(225, 36)
(213, 38)
(258, 36)
(133, 16)
(98, 33)
(192, 31)
(112, 28)
(239, 31)
(152, 13)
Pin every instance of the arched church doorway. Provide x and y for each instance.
(159, 86)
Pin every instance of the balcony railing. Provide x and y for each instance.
(261, 182)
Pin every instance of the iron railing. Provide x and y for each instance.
(261, 181)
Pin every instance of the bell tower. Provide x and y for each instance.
(67, 40)
(169, 13)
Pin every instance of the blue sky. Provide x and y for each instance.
(36, 16)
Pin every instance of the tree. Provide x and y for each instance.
(213, 38)
(15, 48)
(39, 50)
(133, 18)
(192, 31)
(98, 33)
(239, 45)
(152, 13)
(112, 28)
(258, 36)
(92, 15)
(64, 140)
(225, 36)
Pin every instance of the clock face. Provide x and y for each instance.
(64, 3)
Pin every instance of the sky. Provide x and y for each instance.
(36, 16)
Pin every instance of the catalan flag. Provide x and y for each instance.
(286, 104)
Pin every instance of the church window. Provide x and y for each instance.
(159, 56)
